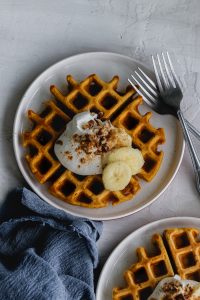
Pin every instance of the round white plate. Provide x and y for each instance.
(106, 65)
(124, 255)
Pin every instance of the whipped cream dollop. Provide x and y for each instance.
(86, 138)
(173, 287)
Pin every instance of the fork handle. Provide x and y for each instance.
(193, 130)
(193, 154)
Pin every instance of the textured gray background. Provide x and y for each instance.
(36, 34)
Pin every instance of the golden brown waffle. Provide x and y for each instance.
(184, 247)
(178, 253)
(95, 95)
(142, 277)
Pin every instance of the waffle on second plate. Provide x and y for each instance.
(177, 253)
(143, 275)
(121, 108)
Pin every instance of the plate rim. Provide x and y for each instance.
(23, 171)
(141, 228)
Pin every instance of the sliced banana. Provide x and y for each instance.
(116, 176)
(122, 138)
(132, 157)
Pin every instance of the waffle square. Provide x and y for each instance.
(95, 95)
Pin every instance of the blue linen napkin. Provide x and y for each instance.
(45, 253)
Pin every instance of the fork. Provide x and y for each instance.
(165, 98)
(152, 97)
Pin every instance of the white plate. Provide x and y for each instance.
(124, 254)
(106, 65)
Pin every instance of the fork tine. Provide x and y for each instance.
(170, 78)
(166, 83)
(157, 75)
(148, 78)
(150, 103)
(173, 71)
(145, 90)
(146, 84)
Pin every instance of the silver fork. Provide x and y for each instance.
(165, 98)
(149, 92)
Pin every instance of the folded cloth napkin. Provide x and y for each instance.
(45, 253)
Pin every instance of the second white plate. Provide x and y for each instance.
(106, 65)
(124, 254)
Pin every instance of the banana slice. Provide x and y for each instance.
(116, 176)
(122, 139)
(132, 157)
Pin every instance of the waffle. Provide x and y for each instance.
(177, 253)
(184, 247)
(142, 277)
(95, 95)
